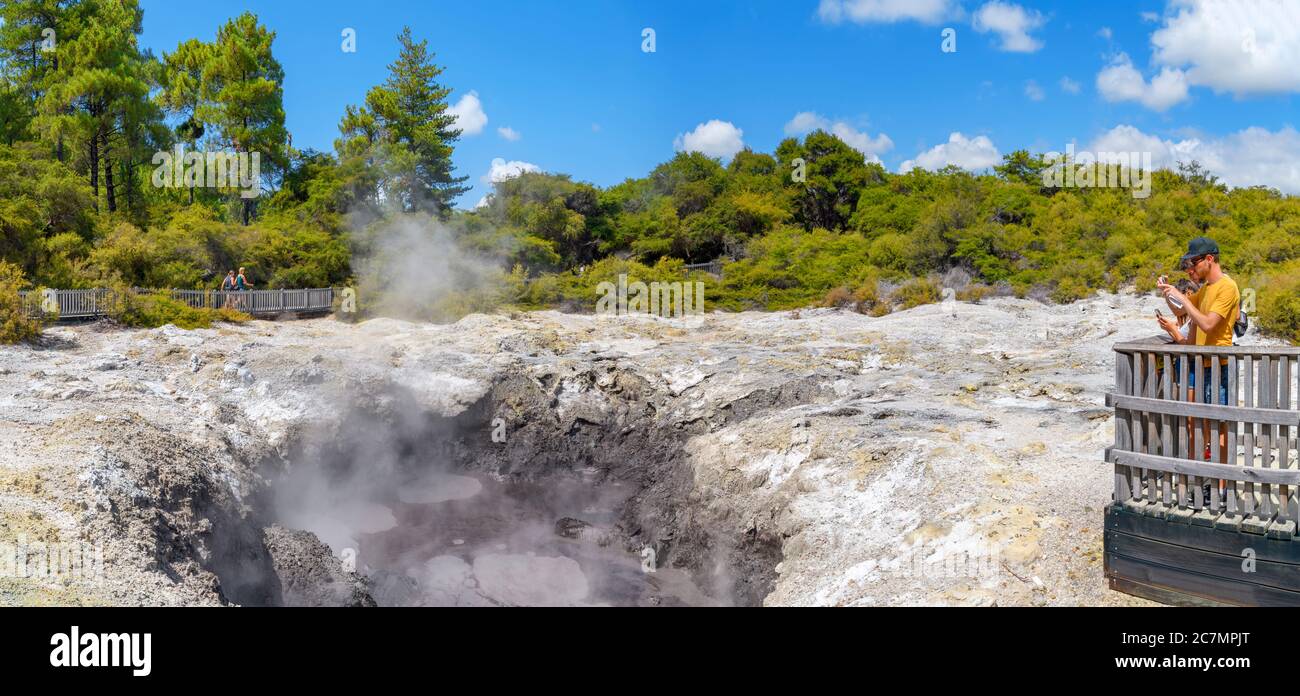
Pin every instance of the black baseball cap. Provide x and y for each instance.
(1200, 246)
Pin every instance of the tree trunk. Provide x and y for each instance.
(94, 169)
(109, 189)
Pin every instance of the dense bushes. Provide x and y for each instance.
(151, 310)
(1279, 302)
(851, 225)
(15, 325)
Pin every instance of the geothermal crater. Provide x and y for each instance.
(814, 457)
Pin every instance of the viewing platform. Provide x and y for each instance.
(1188, 529)
(95, 303)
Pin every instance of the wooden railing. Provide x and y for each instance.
(1161, 470)
(88, 304)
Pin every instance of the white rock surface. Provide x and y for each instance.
(974, 440)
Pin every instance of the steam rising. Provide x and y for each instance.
(398, 488)
(411, 267)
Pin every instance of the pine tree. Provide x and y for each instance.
(29, 36)
(406, 132)
(243, 96)
(182, 91)
(94, 92)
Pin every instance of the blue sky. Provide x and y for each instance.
(1177, 77)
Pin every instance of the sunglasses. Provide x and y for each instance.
(1190, 264)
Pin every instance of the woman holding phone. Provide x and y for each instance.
(1179, 328)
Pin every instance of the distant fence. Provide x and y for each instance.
(92, 303)
(711, 267)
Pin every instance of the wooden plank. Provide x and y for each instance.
(1213, 412)
(1294, 500)
(1168, 423)
(1234, 490)
(1217, 589)
(1266, 509)
(1135, 424)
(1153, 432)
(1288, 509)
(1282, 576)
(1123, 440)
(1184, 443)
(1161, 595)
(1214, 425)
(1216, 470)
(1162, 343)
(1208, 538)
(1251, 499)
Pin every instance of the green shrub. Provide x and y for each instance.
(15, 325)
(1279, 303)
(974, 293)
(156, 309)
(839, 298)
(1069, 289)
(917, 292)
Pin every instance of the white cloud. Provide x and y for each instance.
(1150, 17)
(1251, 157)
(469, 114)
(886, 11)
(1033, 91)
(716, 138)
(509, 133)
(1120, 81)
(807, 121)
(1069, 85)
(967, 153)
(1239, 46)
(502, 170)
(1105, 33)
(1012, 23)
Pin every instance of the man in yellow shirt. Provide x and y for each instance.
(1213, 310)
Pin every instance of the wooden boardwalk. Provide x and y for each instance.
(94, 303)
(1187, 528)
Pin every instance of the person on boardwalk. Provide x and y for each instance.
(227, 287)
(241, 286)
(1213, 310)
(1179, 329)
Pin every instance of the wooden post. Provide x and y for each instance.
(1135, 424)
(1123, 436)
(1287, 511)
(1167, 424)
(1265, 435)
(1184, 435)
(1234, 489)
